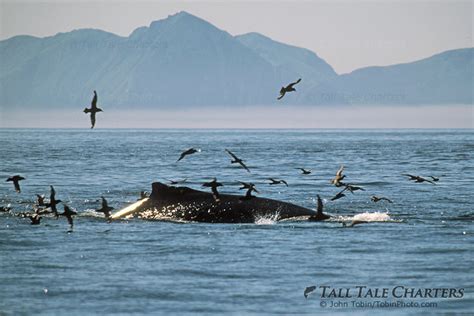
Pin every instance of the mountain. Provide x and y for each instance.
(184, 61)
(445, 78)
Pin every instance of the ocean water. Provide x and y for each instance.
(424, 240)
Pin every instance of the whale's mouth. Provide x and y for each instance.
(129, 210)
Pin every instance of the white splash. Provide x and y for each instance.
(368, 217)
(268, 219)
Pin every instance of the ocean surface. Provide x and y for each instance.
(424, 240)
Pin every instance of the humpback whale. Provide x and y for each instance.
(183, 203)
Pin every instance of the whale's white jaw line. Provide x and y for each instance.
(131, 209)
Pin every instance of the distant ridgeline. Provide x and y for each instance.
(185, 61)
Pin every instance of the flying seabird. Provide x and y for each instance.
(319, 216)
(353, 188)
(68, 213)
(93, 110)
(304, 171)
(417, 179)
(190, 151)
(16, 182)
(376, 199)
(288, 88)
(275, 181)
(339, 176)
(53, 202)
(339, 195)
(175, 182)
(213, 185)
(308, 290)
(105, 208)
(237, 160)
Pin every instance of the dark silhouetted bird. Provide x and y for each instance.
(105, 208)
(339, 195)
(352, 188)
(53, 202)
(308, 290)
(40, 200)
(276, 181)
(304, 171)
(417, 179)
(190, 151)
(68, 213)
(319, 216)
(288, 88)
(16, 182)
(376, 199)
(237, 160)
(213, 185)
(250, 187)
(35, 219)
(175, 182)
(93, 110)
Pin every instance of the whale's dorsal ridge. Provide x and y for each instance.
(161, 190)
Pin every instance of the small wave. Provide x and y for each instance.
(268, 219)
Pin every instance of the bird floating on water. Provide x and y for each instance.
(288, 88)
(16, 182)
(93, 110)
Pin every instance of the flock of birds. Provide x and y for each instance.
(94, 109)
(50, 207)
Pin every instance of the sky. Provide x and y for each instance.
(347, 34)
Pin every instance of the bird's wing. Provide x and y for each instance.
(104, 203)
(339, 172)
(233, 156)
(244, 166)
(286, 183)
(92, 119)
(181, 157)
(293, 83)
(94, 102)
(386, 199)
(282, 94)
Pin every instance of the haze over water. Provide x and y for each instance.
(137, 266)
